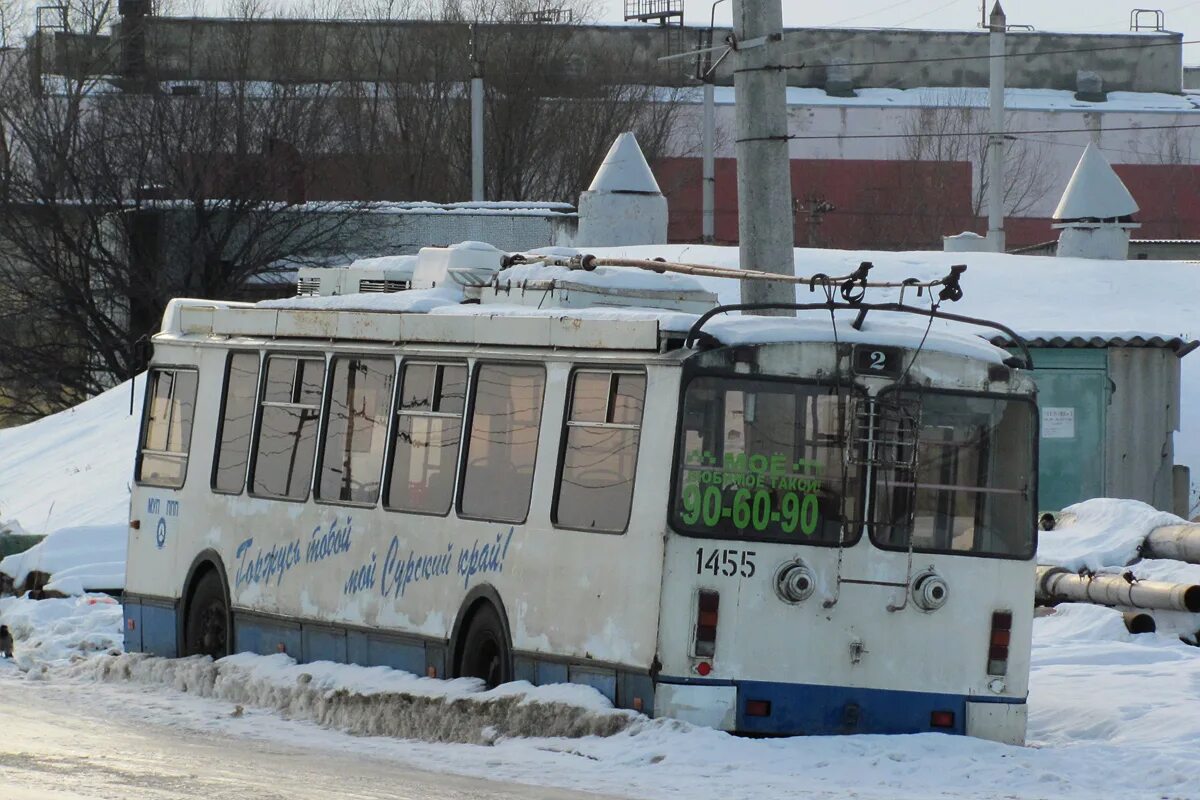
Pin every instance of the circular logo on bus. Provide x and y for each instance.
(160, 535)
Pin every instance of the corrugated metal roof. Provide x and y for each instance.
(1180, 346)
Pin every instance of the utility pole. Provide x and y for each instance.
(476, 120)
(998, 24)
(765, 233)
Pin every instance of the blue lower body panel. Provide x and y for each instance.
(793, 709)
(151, 626)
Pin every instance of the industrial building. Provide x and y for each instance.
(888, 124)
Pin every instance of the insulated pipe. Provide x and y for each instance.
(1180, 542)
(1055, 584)
(1139, 622)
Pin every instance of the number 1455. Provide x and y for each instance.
(725, 562)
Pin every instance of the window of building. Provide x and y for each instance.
(237, 422)
(287, 431)
(167, 427)
(429, 420)
(600, 447)
(360, 396)
(502, 447)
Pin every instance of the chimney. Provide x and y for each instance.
(623, 205)
(1096, 211)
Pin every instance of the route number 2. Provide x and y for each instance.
(878, 360)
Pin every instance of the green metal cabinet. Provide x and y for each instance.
(1073, 396)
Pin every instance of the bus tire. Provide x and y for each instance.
(206, 628)
(485, 651)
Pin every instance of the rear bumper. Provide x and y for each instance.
(797, 709)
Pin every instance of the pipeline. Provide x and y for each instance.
(1139, 622)
(1055, 584)
(1180, 542)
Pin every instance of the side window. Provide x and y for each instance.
(600, 448)
(167, 427)
(287, 431)
(360, 395)
(502, 447)
(237, 421)
(428, 429)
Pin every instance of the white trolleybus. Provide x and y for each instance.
(561, 469)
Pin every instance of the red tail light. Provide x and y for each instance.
(758, 708)
(706, 623)
(998, 642)
(941, 719)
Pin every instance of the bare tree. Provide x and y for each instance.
(952, 132)
(112, 202)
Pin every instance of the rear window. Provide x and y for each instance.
(765, 460)
(968, 486)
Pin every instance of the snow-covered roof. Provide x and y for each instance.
(1060, 302)
(1095, 191)
(968, 97)
(624, 169)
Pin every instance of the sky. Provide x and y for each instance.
(1085, 16)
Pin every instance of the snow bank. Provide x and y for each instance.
(79, 559)
(72, 468)
(1100, 533)
(48, 633)
(375, 701)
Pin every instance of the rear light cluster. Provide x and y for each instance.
(758, 708)
(998, 643)
(706, 624)
(941, 719)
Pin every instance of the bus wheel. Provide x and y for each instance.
(485, 651)
(207, 631)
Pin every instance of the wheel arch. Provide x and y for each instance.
(206, 561)
(483, 594)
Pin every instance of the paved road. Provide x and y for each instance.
(56, 744)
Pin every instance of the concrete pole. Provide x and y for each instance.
(998, 24)
(477, 138)
(710, 176)
(765, 232)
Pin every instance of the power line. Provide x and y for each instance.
(946, 134)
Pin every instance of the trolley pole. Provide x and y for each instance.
(765, 232)
(997, 26)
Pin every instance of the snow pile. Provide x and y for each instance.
(376, 701)
(53, 632)
(79, 559)
(72, 468)
(1093, 682)
(1101, 533)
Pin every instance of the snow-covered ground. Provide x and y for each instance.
(1111, 715)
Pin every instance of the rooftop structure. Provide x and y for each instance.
(1096, 211)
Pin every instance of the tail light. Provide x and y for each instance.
(758, 708)
(941, 719)
(998, 643)
(706, 623)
